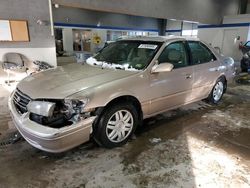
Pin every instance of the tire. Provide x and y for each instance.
(116, 125)
(217, 92)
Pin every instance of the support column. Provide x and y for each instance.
(67, 39)
(162, 27)
(181, 28)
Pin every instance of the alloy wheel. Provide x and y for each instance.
(119, 126)
(218, 91)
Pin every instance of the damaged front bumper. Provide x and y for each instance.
(54, 140)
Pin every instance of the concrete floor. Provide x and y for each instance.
(198, 145)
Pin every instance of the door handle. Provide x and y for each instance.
(188, 76)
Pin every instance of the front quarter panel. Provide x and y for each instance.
(135, 85)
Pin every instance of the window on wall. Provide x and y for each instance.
(190, 29)
(137, 33)
(192, 33)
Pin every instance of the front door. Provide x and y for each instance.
(174, 88)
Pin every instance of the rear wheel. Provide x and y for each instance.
(116, 125)
(217, 91)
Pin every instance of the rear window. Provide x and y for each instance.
(200, 53)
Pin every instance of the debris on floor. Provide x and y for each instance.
(154, 140)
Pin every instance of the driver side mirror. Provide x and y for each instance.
(163, 67)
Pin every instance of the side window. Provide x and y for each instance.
(174, 53)
(200, 53)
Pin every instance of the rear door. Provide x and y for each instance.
(205, 67)
(174, 88)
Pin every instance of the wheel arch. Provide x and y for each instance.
(119, 99)
(222, 76)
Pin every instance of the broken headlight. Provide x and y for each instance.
(74, 108)
(42, 108)
(58, 113)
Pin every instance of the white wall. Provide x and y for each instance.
(243, 32)
(228, 44)
(225, 37)
(41, 45)
(213, 36)
(42, 54)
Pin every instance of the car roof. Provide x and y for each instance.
(159, 38)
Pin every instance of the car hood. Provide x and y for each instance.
(67, 80)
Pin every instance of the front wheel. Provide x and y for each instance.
(116, 125)
(217, 91)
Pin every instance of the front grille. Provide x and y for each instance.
(21, 101)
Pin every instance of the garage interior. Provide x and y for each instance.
(197, 145)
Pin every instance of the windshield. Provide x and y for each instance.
(127, 55)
